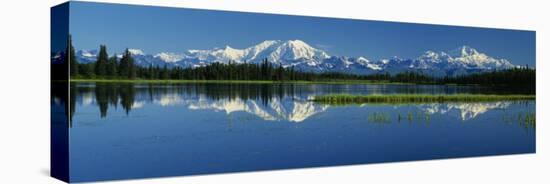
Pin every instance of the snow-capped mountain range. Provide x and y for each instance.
(304, 57)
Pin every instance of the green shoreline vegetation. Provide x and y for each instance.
(183, 81)
(343, 99)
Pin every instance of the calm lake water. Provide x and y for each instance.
(121, 131)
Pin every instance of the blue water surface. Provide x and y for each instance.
(122, 131)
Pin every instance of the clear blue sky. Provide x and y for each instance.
(160, 29)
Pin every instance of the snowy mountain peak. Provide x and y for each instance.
(433, 56)
(299, 44)
(136, 52)
(430, 53)
(362, 59)
(471, 57)
(227, 47)
(463, 51)
(87, 53)
(459, 61)
(267, 43)
(294, 50)
(275, 51)
(169, 57)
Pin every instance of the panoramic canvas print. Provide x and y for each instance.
(144, 91)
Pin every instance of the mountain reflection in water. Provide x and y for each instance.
(270, 102)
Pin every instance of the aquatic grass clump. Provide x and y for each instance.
(524, 119)
(379, 117)
(529, 120)
(343, 99)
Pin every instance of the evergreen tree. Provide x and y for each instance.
(101, 63)
(164, 73)
(73, 63)
(131, 67)
(280, 72)
(124, 65)
(112, 66)
(86, 70)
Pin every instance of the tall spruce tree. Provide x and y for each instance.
(126, 67)
(123, 66)
(280, 72)
(101, 63)
(112, 66)
(164, 73)
(132, 69)
(73, 63)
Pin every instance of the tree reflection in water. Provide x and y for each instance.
(268, 101)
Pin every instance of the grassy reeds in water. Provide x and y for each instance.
(342, 99)
(524, 119)
(528, 120)
(379, 117)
